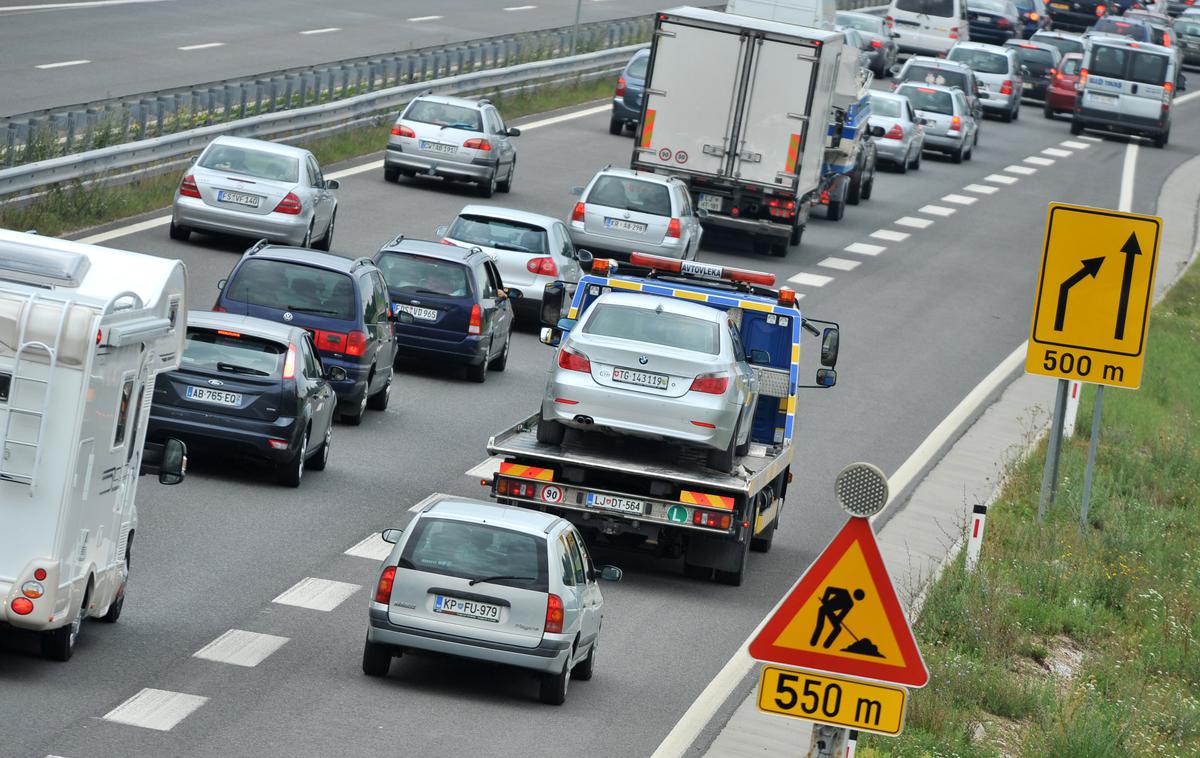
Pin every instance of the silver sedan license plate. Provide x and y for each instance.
(220, 397)
(237, 198)
(472, 609)
(425, 314)
(640, 378)
(610, 503)
(624, 226)
(438, 147)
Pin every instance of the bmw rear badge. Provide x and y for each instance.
(643, 360)
(287, 316)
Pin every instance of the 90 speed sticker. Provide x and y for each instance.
(552, 494)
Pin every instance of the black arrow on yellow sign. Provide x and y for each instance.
(1091, 267)
(1130, 248)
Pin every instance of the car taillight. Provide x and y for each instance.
(1033, 16)
(1006, 88)
(290, 204)
(956, 122)
(39, 574)
(475, 325)
(713, 520)
(1099, 10)
(1054, 73)
(220, 309)
(1083, 75)
(712, 384)
(21, 606)
(953, 35)
(877, 44)
(674, 229)
(542, 266)
(1000, 22)
(383, 590)
(572, 361)
(400, 130)
(554, 614)
(896, 132)
(577, 214)
(356, 344)
(620, 91)
(289, 363)
(188, 188)
(478, 143)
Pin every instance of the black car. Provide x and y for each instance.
(248, 386)
(1078, 15)
(450, 304)
(627, 96)
(993, 21)
(1041, 61)
(342, 302)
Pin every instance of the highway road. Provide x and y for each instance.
(61, 53)
(931, 281)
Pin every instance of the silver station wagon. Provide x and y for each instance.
(492, 583)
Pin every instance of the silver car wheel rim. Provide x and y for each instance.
(300, 457)
(328, 440)
(75, 627)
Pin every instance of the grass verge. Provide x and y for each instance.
(1087, 645)
(71, 207)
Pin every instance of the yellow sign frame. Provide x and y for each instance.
(790, 692)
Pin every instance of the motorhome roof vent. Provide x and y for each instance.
(31, 264)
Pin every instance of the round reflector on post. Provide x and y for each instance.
(862, 489)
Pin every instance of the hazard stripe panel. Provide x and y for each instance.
(527, 472)
(706, 500)
(793, 153)
(648, 129)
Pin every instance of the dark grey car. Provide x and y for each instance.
(881, 41)
(627, 97)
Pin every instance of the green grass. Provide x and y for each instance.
(1125, 594)
(71, 207)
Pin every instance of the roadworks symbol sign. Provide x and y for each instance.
(843, 617)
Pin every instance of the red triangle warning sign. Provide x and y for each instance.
(843, 617)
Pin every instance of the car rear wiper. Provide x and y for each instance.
(460, 125)
(302, 309)
(233, 368)
(474, 582)
(511, 246)
(431, 292)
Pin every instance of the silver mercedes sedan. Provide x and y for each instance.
(655, 367)
(255, 188)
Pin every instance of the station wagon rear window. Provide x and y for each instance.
(239, 160)
(294, 287)
(232, 352)
(862, 23)
(939, 76)
(654, 327)
(1064, 44)
(638, 66)
(927, 99)
(1148, 68)
(980, 60)
(499, 233)
(417, 273)
(444, 114)
(1188, 28)
(476, 551)
(629, 194)
(1039, 62)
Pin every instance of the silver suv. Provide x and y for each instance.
(622, 211)
(455, 138)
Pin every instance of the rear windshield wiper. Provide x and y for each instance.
(511, 246)
(461, 125)
(431, 292)
(474, 582)
(233, 368)
(302, 309)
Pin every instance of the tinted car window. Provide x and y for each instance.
(1148, 68)
(642, 325)
(224, 350)
(928, 7)
(926, 99)
(980, 60)
(568, 568)
(939, 76)
(1114, 26)
(1109, 61)
(416, 272)
(474, 551)
(1188, 28)
(312, 364)
(638, 66)
(631, 195)
(444, 114)
(1037, 61)
(988, 6)
(1064, 45)
(885, 107)
(486, 281)
(577, 559)
(500, 234)
(293, 287)
(239, 160)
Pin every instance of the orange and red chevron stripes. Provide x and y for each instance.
(527, 472)
(705, 500)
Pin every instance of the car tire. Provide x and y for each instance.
(179, 233)
(291, 472)
(1047, 111)
(957, 156)
(854, 191)
(59, 644)
(1076, 128)
(1016, 114)
(550, 432)
(376, 659)
(616, 126)
(506, 185)
(1006, 117)
(724, 460)
(969, 154)
(118, 603)
(487, 188)
(868, 187)
(903, 166)
(554, 686)
(916, 162)
(327, 241)
(1160, 140)
(307, 241)
(320, 458)
(500, 362)
(391, 174)
(478, 372)
(796, 235)
(584, 669)
(835, 210)
(379, 401)
(355, 417)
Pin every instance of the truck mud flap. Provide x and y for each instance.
(720, 553)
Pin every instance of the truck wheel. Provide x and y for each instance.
(377, 659)
(550, 432)
(734, 578)
(59, 644)
(854, 192)
(797, 233)
(615, 126)
(762, 543)
(835, 210)
(118, 603)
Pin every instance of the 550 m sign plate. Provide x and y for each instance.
(865, 706)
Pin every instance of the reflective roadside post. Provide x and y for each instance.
(975, 538)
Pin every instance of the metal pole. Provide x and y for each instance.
(1050, 472)
(827, 741)
(1091, 459)
(575, 28)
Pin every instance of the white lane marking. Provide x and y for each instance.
(565, 117)
(1125, 203)
(317, 594)
(122, 231)
(1075, 145)
(419, 19)
(810, 280)
(520, 8)
(373, 547)
(1057, 152)
(1093, 139)
(241, 648)
(202, 46)
(981, 189)
(155, 709)
(937, 210)
(914, 222)
(841, 264)
(959, 199)
(1022, 170)
(1037, 160)
(863, 248)
(75, 6)
(325, 30)
(62, 64)
(1185, 99)
(1000, 179)
(889, 235)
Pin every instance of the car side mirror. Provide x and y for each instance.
(221, 284)
(577, 191)
(336, 374)
(391, 536)
(441, 231)
(894, 35)
(584, 257)
(550, 336)
(760, 357)
(830, 343)
(610, 574)
(195, 158)
(552, 300)
(826, 377)
(332, 184)
(877, 131)
(168, 460)
(513, 294)
(513, 131)
(896, 68)
(983, 96)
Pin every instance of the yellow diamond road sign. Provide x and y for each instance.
(1093, 295)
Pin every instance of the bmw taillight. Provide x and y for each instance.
(675, 229)
(383, 590)
(400, 130)
(577, 214)
(712, 384)
(188, 188)
(555, 614)
(478, 143)
(896, 132)
(475, 325)
(542, 266)
(1006, 88)
(620, 91)
(290, 204)
(572, 361)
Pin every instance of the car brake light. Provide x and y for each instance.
(954, 35)
(1168, 87)
(39, 574)
(713, 520)
(356, 344)
(1034, 16)
(188, 188)
(216, 309)
(572, 361)
(577, 214)
(542, 266)
(1166, 39)
(956, 122)
(21, 606)
(1000, 22)
(876, 44)
(1083, 75)
(674, 229)
(1099, 10)
(290, 204)
(896, 132)
(1006, 88)
(478, 143)
(383, 590)
(289, 363)
(620, 91)
(1054, 73)
(475, 325)
(711, 384)
(554, 614)
(400, 130)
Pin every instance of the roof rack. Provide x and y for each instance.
(360, 262)
(258, 246)
(395, 241)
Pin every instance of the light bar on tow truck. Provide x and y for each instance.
(701, 270)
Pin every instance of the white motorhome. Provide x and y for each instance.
(83, 332)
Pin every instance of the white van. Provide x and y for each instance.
(1127, 87)
(83, 332)
(928, 27)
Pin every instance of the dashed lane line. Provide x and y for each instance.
(1037, 160)
(62, 64)
(1075, 145)
(960, 199)
(520, 8)
(889, 235)
(419, 19)
(373, 548)
(863, 248)
(316, 594)
(937, 210)
(914, 222)
(982, 189)
(841, 264)
(1089, 139)
(325, 30)
(238, 647)
(810, 280)
(1056, 152)
(1000, 179)
(1022, 170)
(201, 46)
(155, 709)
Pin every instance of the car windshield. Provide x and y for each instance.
(989, 6)
(257, 163)
(625, 193)
(980, 60)
(638, 66)
(654, 327)
(288, 286)
(1188, 28)
(931, 100)
(1036, 60)
(499, 233)
(862, 23)
(1064, 44)
(939, 76)
(444, 114)
(230, 351)
(943, 8)
(885, 106)
(418, 273)
(476, 551)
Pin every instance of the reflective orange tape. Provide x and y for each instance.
(648, 129)
(706, 500)
(793, 153)
(527, 472)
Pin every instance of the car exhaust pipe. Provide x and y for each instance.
(581, 419)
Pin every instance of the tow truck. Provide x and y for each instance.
(648, 495)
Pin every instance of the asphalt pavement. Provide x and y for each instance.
(924, 319)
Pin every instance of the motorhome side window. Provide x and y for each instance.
(943, 8)
(123, 412)
(5, 383)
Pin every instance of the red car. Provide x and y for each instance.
(1060, 92)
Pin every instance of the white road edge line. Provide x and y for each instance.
(75, 6)
(520, 8)
(1125, 201)
(325, 30)
(61, 64)
(201, 46)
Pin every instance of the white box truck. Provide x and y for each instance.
(83, 332)
(738, 108)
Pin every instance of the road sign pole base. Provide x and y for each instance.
(828, 742)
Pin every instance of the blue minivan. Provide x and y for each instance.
(627, 96)
(342, 302)
(449, 303)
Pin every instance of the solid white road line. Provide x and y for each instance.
(241, 648)
(1057, 152)
(155, 709)
(841, 264)
(75, 6)
(141, 226)
(810, 280)
(937, 210)
(981, 189)
(889, 235)
(426, 501)
(202, 46)
(914, 222)
(1125, 203)
(372, 548)
(317, 594)
(959, 199)
(1000, 179)
(325, 30)
(863, 248)
(1023, 170)
(1037, 160)
(565, 117)
(1075, 145)
(419, 19)
(62, 64)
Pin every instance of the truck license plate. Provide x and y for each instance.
(640, 378)
(621, 504)
(455, 606)
(710, 202)
(220, 397)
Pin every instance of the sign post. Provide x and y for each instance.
(1091, 459)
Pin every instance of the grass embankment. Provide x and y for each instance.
(67, 208)
(1066, 645)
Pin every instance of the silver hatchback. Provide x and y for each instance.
(492, 583)
(950, 127)
(999, 72)
(622, 211)
(903, 133)
(656, 367)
